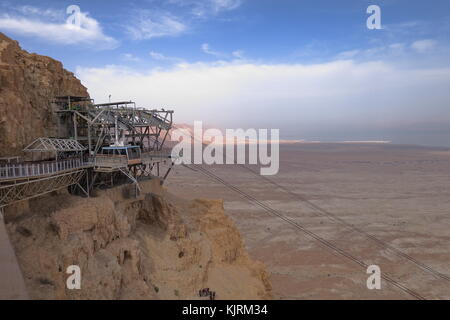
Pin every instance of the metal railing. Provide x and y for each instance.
(26, 170)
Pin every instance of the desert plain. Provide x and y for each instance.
(397, 194)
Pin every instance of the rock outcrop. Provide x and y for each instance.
(28, 82)
(138, 248)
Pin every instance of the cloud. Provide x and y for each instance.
(224, 5)
(161, 57)
(205, 8)
(151, 25)
(235, 55)
(207, 49)
(425, 45)
(130, 57)
(157, 55)
(399, 47)
(394, 50)
(238, 54)
(52, 14)
(89, 32)
(169, 18)
(348, 54)
(345, 94)
(415, 28)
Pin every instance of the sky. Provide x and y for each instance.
(312, 69)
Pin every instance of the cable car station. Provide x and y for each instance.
(96, 146)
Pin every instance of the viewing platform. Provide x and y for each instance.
(30, 170)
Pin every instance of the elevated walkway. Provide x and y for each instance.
(33, 170)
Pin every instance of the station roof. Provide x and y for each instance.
(54, 145)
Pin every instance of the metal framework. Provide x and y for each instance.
(97, 125)
(130, 176)
(54, 145)
(83, 129)
(34, 188)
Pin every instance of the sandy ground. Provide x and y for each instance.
(399, 194)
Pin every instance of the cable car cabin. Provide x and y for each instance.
(131, 153)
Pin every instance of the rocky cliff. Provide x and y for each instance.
(128, 248)
(28, 82)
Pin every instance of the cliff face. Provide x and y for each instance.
(144, 248)
(28, 82)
